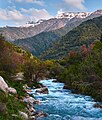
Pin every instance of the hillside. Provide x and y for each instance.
(39, 43)
(42, 41)
(83, 73)
(11, 56)
(85, 33)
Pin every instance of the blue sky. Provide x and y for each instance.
(18, 12)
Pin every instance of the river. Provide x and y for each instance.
(61, 104)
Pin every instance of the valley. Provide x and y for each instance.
(51, 69)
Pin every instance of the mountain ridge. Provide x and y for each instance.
(86, 33)
(31, 29)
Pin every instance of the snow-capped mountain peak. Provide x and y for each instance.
(32, 23)
(71, 15)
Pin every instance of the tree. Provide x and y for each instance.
(101, 37)
(34, 70)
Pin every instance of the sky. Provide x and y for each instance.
(19, 12)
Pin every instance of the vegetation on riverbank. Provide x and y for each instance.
(9, 107)
(83, 71)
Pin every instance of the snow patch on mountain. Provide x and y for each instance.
(32, 23)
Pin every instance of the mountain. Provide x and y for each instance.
(69, 20)
(29, 30)
(11, 56)
(38, 44)
(86, 33)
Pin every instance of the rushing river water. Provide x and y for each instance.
(61, 104)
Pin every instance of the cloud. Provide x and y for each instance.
(38, 2)
(23, 15)
(36, 14)
(13, 14)
(78, 4)
(60, 11)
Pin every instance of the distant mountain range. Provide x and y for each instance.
(67, 20)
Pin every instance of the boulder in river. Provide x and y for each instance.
(43, 90)
(97, 105)
(41, 114)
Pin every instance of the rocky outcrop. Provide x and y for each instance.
(41, 114)
(4, 87)
(43, 90)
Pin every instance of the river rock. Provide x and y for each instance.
(43, 90)
(65, 87)
(41, 114)
(55, 80)
(33, 118)
(40, 85)
(97, 105)
(31, 100)
(23, 115)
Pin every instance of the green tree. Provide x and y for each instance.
(34, 70)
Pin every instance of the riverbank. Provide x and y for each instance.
(32, 102)
(16, 102)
